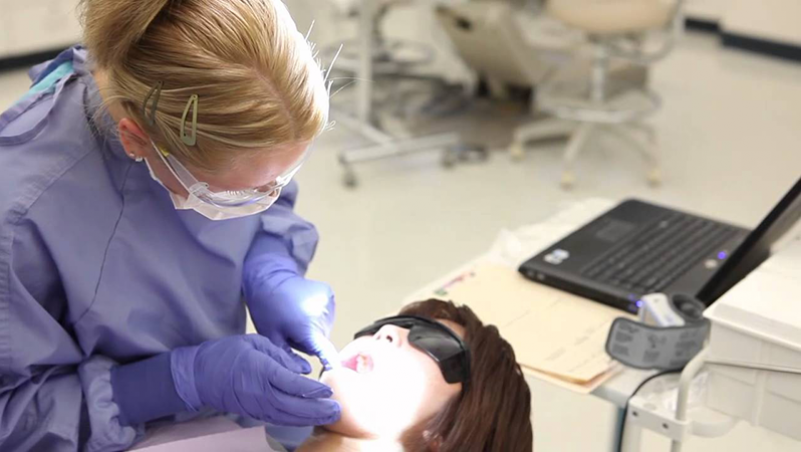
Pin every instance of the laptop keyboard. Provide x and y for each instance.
(656, 256)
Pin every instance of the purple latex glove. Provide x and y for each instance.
(249, 376)
(292, 311)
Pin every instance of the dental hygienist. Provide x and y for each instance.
(145, 200)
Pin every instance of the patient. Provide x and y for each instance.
(432, 379)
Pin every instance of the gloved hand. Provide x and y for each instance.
(249, 376)
(292, 311)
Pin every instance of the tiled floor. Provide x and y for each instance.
(729, 134)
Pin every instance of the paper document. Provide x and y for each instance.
(552, 332)
(557, 337)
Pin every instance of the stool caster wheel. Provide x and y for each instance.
(568, 180)
(655, 177)
(449, 158)
(477, 153)
(517, 152)
(349, 179)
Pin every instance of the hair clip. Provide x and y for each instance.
(192, 104)
(155, 94)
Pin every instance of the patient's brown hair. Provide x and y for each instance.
(493, 412)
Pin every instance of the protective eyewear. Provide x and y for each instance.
(436, 340)
(227, 198)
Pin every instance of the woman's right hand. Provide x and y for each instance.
(249, 376)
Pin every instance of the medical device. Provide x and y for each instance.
(671, 331)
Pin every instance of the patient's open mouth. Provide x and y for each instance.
(359, 363)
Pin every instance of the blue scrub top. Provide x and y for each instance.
(98, 268)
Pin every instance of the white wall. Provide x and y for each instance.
(707, 10)
(28, 26)
(776, 20)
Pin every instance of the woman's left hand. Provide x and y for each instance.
(295, 312)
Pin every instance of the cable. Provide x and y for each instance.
(634, 393)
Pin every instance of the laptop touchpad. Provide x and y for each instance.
(614, 230)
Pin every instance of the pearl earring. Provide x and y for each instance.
(135, 158)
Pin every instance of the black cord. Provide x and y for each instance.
(626, 408)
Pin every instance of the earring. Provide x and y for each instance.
(135, 158)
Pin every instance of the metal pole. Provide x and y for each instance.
(365, 82)
(687, 376)
(600, 67)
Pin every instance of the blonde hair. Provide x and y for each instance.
(256, 76)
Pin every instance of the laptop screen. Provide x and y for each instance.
(756, 247)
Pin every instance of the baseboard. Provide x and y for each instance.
(27, 60)
(748, 43)
(762, 46)
(703, 25)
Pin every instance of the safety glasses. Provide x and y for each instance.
(267, 194)
(438, 341)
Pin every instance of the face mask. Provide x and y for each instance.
(211, 212)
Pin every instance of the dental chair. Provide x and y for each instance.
(489, 42)
(618, 31)
(490, 39)
(514, 48)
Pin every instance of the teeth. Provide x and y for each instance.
(361, 364)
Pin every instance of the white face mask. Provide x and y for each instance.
(213, 212)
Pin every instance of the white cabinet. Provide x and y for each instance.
(37, 25)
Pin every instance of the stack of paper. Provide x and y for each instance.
(557, 336)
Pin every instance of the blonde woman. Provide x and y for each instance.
(145, 192)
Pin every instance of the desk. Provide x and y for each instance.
(613, 393)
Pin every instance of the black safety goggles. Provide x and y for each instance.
(438, 341)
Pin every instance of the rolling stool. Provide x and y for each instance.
(616, 29)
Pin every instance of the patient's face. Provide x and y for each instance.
(386, 385)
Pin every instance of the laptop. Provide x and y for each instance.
(638, 248)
